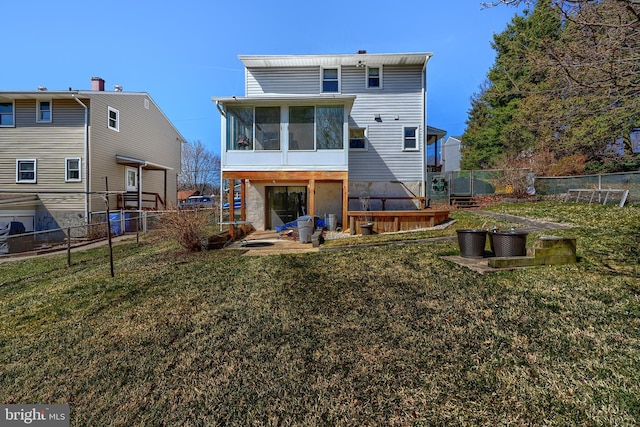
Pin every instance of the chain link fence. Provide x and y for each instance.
(442, 186)
(14, 240)
(611, 181)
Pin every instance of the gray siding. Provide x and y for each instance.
(280, 81)
(401, 95)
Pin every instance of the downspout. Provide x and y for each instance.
(222, 130)
(140, 186)
(423, 189)
(86, 159)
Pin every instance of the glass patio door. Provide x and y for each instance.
(285, 204)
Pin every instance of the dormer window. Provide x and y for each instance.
(330, 80)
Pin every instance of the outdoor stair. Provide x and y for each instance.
(463, 201)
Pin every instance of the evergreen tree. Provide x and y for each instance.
(497, 125)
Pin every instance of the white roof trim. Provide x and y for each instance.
(261, 61)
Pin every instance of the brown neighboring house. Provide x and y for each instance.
(60, 148)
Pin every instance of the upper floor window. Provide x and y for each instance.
(374, 77)
(26, 170)
(410, 138)
(316, 128)
(43, 112)
(357, 139)
(72, 169)
(330, 80)
(7, 118)
(114, 119)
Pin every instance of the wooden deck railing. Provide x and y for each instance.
(383, 199)
(150, 201)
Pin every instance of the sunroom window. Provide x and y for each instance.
(316, 128)
(267, 128)
(329, 129)
(301, 128)
(240, 128)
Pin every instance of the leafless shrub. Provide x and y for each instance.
(97, 229)
(188, 228)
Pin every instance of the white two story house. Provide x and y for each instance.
(315, 133)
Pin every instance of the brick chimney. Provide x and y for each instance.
(97, 84)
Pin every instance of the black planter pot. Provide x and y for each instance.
(472, 243)
(508, 243)
(366, 229)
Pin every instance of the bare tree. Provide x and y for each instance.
(200, 168)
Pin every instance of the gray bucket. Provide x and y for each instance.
(331, 221)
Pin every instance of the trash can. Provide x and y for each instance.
(472, 242)
(305, 228)
(116, 226)
(331, 221)
(508, 243)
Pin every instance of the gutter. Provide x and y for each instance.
(86, 158)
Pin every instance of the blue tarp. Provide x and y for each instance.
(319, 223)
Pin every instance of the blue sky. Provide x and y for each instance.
(183, 53)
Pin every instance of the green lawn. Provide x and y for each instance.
(391, 335)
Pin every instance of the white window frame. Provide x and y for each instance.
(366, 76)
(13, 115)
(67, 169)
(322, 80)
(366, 139)
(417, 138)
(35, 171)
(117, 119)
(39, 118)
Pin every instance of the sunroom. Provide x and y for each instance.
(289, 155)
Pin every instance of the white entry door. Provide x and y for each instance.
(131, 179)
